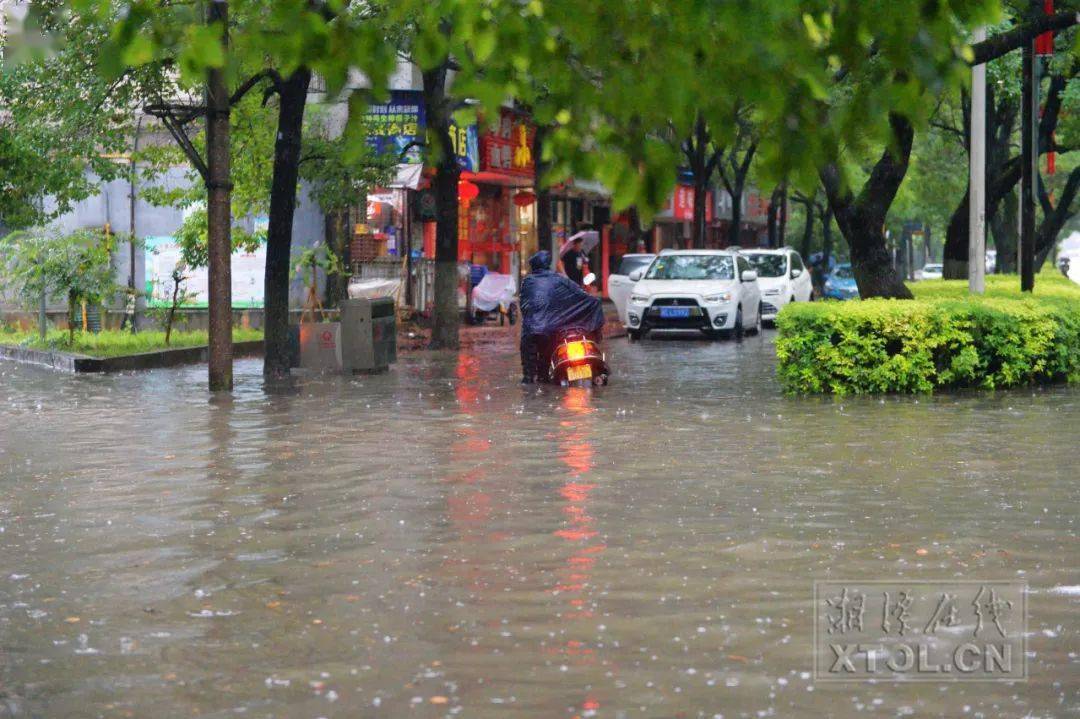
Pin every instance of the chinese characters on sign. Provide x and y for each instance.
(507, 147)
(929, 631)
(398, 127)
(466, 146)
(681, 204)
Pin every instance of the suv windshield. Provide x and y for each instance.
(769, 265)
(692, 267)
(843, 272)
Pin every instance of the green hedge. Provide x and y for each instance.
(944, 338)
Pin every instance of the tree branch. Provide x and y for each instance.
(267, 74)
(888, 173)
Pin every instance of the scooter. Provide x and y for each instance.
(576, 358)
(494, 297)
(576, 361)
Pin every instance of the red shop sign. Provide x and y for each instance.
(682, 204)
(507, 147)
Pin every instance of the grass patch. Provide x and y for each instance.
(944, 338)
(114, 343)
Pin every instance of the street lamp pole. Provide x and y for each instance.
(977, 178)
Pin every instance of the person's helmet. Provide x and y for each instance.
(540, 261)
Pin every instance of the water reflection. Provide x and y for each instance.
(439, 541)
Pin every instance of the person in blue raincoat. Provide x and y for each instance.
(551, 302)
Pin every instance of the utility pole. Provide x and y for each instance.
(977, 178)
(1028, 168)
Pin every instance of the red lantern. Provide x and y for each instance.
(524, 199)
(467, 191)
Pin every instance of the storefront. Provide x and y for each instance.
(497, 212)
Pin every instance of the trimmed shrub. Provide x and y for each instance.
(944, 338)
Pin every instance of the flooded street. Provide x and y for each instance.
(441, 541)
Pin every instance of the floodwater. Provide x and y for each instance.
(440, 541)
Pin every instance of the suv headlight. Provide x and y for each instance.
(639, 299)
(718, 297)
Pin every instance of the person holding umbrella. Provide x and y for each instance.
(574, 255)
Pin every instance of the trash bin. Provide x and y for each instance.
(368, 334)
(319, 346)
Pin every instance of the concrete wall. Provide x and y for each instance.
(112, 204)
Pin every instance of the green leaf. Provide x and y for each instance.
(139, 51)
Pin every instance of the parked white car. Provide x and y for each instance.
(932, 271)
(619, 283)
(782, 277)
(713, 291)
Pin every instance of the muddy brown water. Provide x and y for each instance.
(439, 541)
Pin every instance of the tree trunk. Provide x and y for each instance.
(826, 236)
(777, 215)
(219, 214)
(72, 304)
(1004, 225)
(955, 254)
(808, 230)
(734, 232)
(337, 242)
(783, 213)
(638, 241)
(1002, 171)
(544, 236)
(292, 96)
(701, 168)
(1054, 218)
(771, 223)
(701, 190)
(446, 317)
(861, 219)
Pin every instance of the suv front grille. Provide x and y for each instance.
(675, 302)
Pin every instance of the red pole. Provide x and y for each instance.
(1044, 47)
(1044, 44)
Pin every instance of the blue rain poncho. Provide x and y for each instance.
(551, 302)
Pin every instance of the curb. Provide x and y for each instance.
(80, 364)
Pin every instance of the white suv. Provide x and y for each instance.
(714, 291)
(783, 278)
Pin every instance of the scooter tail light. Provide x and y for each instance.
(575, 350)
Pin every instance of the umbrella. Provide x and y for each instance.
(589, 240)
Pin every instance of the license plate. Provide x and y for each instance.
(578, 372)
(674, 312)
